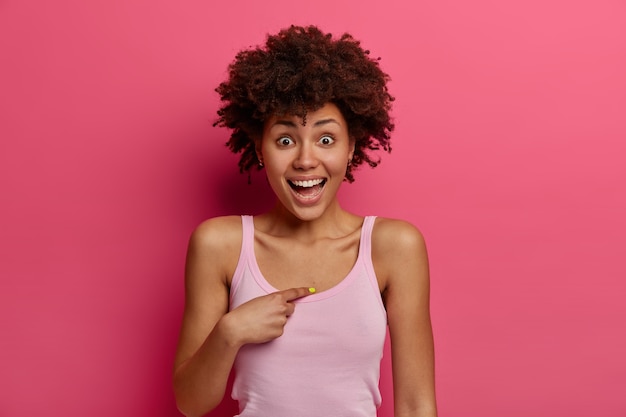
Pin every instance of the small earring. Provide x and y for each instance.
(260, 164)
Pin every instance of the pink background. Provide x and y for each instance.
(509, 155)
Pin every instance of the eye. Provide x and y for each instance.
(285, 141)
(327, 140)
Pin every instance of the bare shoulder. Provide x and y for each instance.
(397, 247)
(393, 236)
(217, 240)
(218, 231)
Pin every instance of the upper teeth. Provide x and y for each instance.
(307, 183)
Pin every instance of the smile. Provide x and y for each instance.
(307, 188)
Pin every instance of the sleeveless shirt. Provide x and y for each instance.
(327, 362)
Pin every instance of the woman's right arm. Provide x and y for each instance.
(206, 350)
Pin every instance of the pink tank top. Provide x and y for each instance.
(327, 362)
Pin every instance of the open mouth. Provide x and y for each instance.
(308, 188)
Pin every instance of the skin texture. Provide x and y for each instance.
(301, 231)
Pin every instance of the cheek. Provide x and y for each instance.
(340, 162)
(275, 163)
(274, 173)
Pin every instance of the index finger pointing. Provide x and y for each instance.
(299, 292)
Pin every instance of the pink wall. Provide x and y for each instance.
(509, 155)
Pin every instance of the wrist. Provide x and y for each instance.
(227, 331)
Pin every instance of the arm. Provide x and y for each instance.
(399, 255)
(205, 353)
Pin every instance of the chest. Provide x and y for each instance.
(285, 263)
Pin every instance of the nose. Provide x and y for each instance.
(306, 157)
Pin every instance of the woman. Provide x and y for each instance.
(297, 299)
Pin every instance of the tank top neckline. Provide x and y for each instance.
(318, 296)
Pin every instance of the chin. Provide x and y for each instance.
(306, 214)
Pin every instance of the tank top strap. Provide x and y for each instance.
(247, 223)
(365, 254)
(366, 235)
(247, 250)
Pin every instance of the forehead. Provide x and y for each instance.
(329, 113)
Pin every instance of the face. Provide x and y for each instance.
(306, 165)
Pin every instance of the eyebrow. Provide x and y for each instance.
(290, 123)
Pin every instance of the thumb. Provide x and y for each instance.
(295, 293)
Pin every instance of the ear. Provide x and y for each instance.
(352, 148)
(257, 150)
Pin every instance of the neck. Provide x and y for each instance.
(335, 222)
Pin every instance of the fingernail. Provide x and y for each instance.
(311, 290)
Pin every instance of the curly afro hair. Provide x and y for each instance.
(298, 70)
